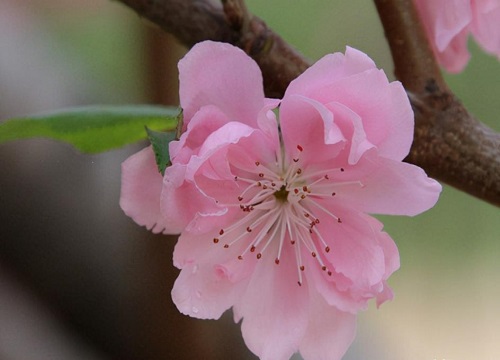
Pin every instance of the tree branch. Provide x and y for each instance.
(449, 143)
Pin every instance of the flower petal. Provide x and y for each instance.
(328, 69)
(383, 107)
(391, 187)
(140, 191)
(485, 25)
(220, 74)
(330, 331)
(274, 309)
(446, 23)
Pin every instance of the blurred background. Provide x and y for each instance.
(79, 280)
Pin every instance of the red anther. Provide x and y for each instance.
(259, 255)
(226, 246)
(221, 231)
(277, 261)
(240, 257)
(216, 240)
(313, 254)
(327, 249)
(302, 268)
(300, 148)
(252, 249)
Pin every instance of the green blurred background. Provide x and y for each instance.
(448, 287)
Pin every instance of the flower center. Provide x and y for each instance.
(284, 204)
(281, 194)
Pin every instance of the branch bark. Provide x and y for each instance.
(450, 144)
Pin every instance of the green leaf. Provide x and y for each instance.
(159, 141)
(93, 129)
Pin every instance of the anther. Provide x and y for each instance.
(304, 188)
(339, 221)
(323, 268)
(248, 229)
(296, 191)
(277, 261)
(221, 232)
(299, 171)
(240, 198)
(342, 169)
(302, 268)
(226, 246)
(292, 242)
(252, 249)
(327, 177)
(329, 273)
(333, 193)
(300, 148)
(259, 255)
(295, 160)
(261, 175)
(257, 163)
(313, 254)
(216, 240)
(327, 249)
(240, 257)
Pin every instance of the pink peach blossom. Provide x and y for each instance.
(271, 197)
(449, 23)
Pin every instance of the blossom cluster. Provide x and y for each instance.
(271, 197)
(450, 22)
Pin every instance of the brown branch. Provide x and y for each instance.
(449, 143)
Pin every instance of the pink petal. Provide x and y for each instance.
(220, 74)
(274, 309)
(181, 201)
(330, 331)
(199, 292)
(353, 125)
(212, 279)
(207, 120)
(390, 187)
(309, 124)
(383, 107)
(140, 192)
(486, 25)
(447, 22)
(329, 69)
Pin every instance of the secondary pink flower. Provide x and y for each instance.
(271, 197)
(449, 23)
